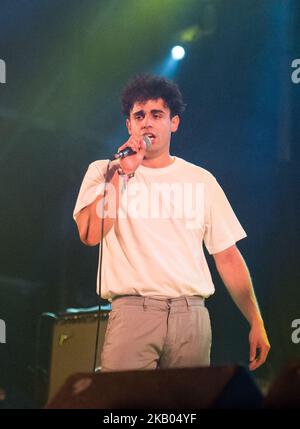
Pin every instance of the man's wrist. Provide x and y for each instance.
(127, 175)
(257, 321)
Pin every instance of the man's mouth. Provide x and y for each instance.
(150, 135)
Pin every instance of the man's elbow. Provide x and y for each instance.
(84, 231)
(89, 231)
(86, 237)
(89, 241)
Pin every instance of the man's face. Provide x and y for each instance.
(152, 118)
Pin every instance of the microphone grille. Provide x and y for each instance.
(147, 140)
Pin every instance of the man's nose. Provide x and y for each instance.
(147, 122)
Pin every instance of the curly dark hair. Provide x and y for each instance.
(150, 87)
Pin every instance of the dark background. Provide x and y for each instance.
(66, 63)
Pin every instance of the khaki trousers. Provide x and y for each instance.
(148, 333)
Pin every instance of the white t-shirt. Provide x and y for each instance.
(155, 247)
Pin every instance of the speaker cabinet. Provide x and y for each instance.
(66, 345)
(184, 388)
(284, 392)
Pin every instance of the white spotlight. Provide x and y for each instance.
(178, 53)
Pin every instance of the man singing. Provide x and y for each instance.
(157, 211)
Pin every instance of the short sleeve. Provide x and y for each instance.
(91, 183)
(222, 228)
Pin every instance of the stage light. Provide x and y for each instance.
(178, 53)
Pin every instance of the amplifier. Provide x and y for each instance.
(66, 345)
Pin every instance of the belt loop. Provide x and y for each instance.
(187, 301)
(145, 301)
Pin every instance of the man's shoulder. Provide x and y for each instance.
(99, 165)
(199, 172)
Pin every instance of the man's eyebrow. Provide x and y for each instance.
(139, 113)
(142, 112)
(154, 111)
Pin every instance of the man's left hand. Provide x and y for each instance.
(259, 345)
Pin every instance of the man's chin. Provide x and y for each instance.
(150, 154)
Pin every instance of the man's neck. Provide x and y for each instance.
(158, 162)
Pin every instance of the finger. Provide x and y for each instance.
(254, 365)
(142, 147)
(252, 354)
(261, 358)
(140, 144)
(129, 144)
(132, 142)
(141, 150)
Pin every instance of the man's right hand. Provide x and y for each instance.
(130, 163)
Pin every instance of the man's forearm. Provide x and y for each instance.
(89, 219)
(236, 277)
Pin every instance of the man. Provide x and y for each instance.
(157, 211)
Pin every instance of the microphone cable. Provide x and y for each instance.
(95, 369)
(147, 142)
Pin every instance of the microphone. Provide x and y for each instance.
(128, 151)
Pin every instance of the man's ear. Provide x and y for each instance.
(128, 125)
(175, 121)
